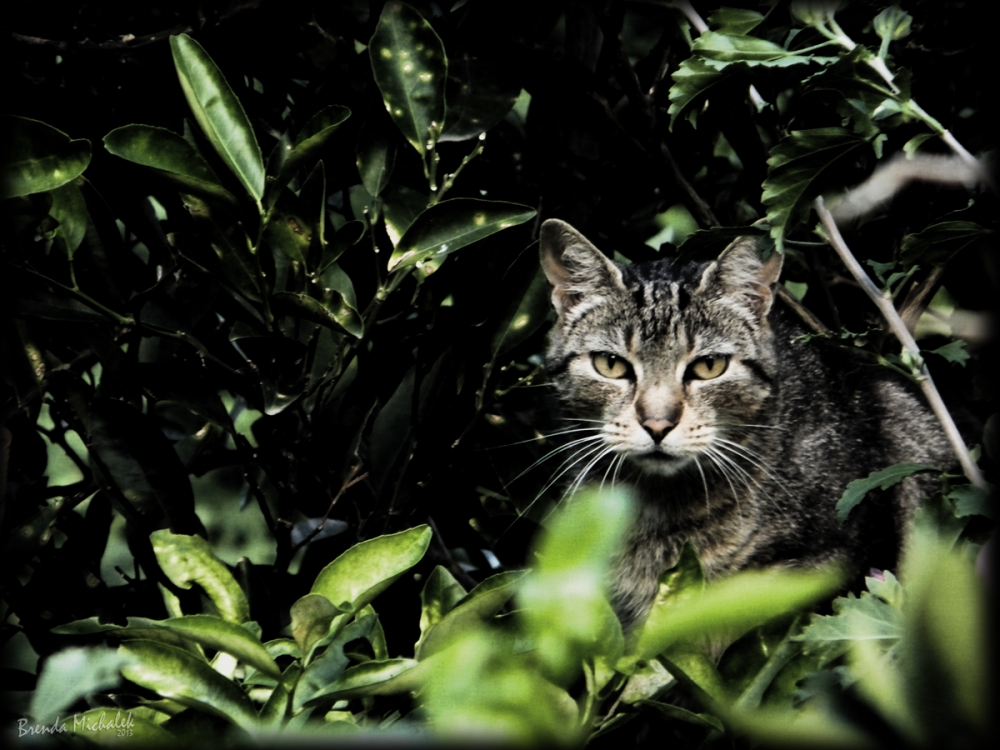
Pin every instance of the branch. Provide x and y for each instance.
(898, 327)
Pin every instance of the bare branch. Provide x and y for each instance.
(896, 325)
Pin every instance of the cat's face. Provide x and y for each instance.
(671, 365)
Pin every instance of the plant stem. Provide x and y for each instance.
(899, 329)
(84, 298)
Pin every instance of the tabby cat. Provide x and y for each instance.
(692, 389)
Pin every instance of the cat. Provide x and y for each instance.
(697, 393)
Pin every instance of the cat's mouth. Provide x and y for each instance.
(659, 462)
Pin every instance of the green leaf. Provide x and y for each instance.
(893, 23)
(402, 206)
(311, 139)
(35, 157)
(734, 605)
(523, 317)
(869, 618)
(479, 688)
(223, 635)
(440, 594)
(336, 313)
(70, 209)
(367, 569)
(411, 71)
(176, 674)
(480, 93)
(172, 156)
(190, 559)
(945, 676)
(453, 224)
(332, 662)
(795, 167)
(565, 608)
(692, 81)
(469, 612)
(184, 632)
(882, 479)
(940, 242)
(375, 160)
(737, 48)
(971, 500)
(696, 671)
(72, 674)
(375, 677)
(956, 352)
(274, 713)
(646, 682)
(219, 113)
(734, 20)
(140, 461)
(312, 616)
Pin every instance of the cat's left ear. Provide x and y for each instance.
(742, 273)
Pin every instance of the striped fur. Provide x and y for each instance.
(748, 464)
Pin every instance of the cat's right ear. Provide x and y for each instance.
(575, 268)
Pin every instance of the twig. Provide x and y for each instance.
(348, 483)
(898, 327)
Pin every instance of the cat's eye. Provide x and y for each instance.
(610, 365)
(708, 368)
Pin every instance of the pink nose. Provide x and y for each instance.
(657, 428)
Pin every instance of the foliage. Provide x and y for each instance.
(297, 318)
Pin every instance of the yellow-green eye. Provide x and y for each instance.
(610, 365)
(708, 368)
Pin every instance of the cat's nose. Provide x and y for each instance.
(658, 428)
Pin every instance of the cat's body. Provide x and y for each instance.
(695, 392)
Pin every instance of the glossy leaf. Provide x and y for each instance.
(440, 594)
(734, 20)
(223, 635)
(738, 48)
(189, 559)
(480, 93)
(469, 612)
(169, 154)
(306, 147)
(795, 169)
(219, 113)
(312, 615)
(692, 81)
(35, 157)
(375, 160)
(331, 662)
(176, 674)
(73, 674)
(367, 569)
(375, 677)
(336, 314)
(411, 71)
(882, 479)
(453, 224)
(733, 606)
(70, 209)
(274, 713)
(402, 206)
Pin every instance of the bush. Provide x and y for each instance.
(226, 365)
